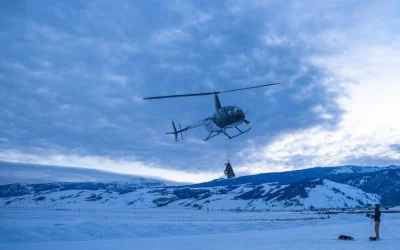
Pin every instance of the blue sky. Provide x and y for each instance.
(73, 75)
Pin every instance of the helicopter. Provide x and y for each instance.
(228, 117)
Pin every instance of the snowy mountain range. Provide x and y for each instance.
(315, 193)
(328, 187)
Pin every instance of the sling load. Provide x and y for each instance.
(229, 171)
(228, 168)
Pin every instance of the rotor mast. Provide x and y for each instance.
(217, 102)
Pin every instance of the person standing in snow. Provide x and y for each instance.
(377, 219)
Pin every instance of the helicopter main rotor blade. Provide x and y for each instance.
(173, 96)
(207, 93)
(258, 86)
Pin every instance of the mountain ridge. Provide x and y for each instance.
(347, 186)
(295, 175)
(303, 195)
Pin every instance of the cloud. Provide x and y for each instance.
(21, 70)
(118, 79)
(275, 40)
(181, 68)
(322, 112)
(215, 40)
(39, 32)
(320, 147)
(365, 72)
(169, 37)
(124, 165)
(395, 147)
(75, 88)
(192, 15)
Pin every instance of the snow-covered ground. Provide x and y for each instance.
(39, 228)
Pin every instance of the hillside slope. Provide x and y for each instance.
(317, 193)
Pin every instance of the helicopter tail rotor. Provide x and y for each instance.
(176, 132)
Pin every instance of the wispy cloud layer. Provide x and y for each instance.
(120, 165)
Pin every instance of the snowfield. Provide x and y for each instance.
(255, 212)
(162, 228)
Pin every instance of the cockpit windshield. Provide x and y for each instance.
(235, 111)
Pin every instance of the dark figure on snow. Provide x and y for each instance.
(345, 237)
(377, 218)
(229, 170)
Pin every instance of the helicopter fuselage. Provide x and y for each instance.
(225, 117)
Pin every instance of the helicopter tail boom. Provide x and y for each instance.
(181, 130)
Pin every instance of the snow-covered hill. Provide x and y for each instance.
(384, 181)
(348, 169)
(331, 187)
(12, 190)
(316, 193)
(289, 177)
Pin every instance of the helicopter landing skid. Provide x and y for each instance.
(215, 133)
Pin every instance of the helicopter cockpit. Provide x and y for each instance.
(235, 111)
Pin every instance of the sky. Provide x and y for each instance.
(73, 75)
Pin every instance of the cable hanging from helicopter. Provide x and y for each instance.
(228, 172)
(224, 118)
